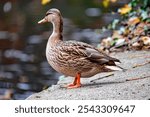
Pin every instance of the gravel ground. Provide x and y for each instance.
(117, 85)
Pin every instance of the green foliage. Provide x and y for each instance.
(114, 23)
(144, 3)
(114, 41)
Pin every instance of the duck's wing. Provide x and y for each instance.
(83, 50)
(100, 57)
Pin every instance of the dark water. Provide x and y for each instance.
(26, 71)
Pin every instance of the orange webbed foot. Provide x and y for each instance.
(76, 83)
(72, 86)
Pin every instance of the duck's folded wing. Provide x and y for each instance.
(95, 55)
(83, 50)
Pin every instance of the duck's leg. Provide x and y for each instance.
(76, 82)
(72, 84)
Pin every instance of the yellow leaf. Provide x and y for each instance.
(146, 40)
(125, 9)
(133, 20)
(44, 2)
(106, 3)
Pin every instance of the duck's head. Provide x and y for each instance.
(51, 16)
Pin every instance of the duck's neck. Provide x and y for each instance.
(56, 35)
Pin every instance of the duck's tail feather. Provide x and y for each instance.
(116, 68)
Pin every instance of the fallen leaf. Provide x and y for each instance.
(106, 42)
(114, 23)
(139, 29)
(120, 42)
(124, 10)
(144, 14)
(146, 40)
(133, 21)
(44, 2)
(116, 34)
(136, 44)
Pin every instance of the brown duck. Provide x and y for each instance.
(72, 58)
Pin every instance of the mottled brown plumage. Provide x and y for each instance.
(72, 58)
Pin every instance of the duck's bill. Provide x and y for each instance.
(42, 21)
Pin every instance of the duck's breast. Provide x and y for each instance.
(58, 61)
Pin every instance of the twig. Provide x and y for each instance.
(131, 79)
(138, 56)
(138, 65)
(102, 77)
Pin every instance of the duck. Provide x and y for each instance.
(74, 58)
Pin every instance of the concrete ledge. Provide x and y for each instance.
(116, 86)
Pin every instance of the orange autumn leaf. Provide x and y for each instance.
(133, 21)
(125, 9)
(146, 40)
(44, 2)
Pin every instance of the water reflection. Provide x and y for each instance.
(23, 71)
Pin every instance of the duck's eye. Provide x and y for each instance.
(47, 14)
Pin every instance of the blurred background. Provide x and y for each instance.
(23, 66)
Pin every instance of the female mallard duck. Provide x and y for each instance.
(74, 58)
